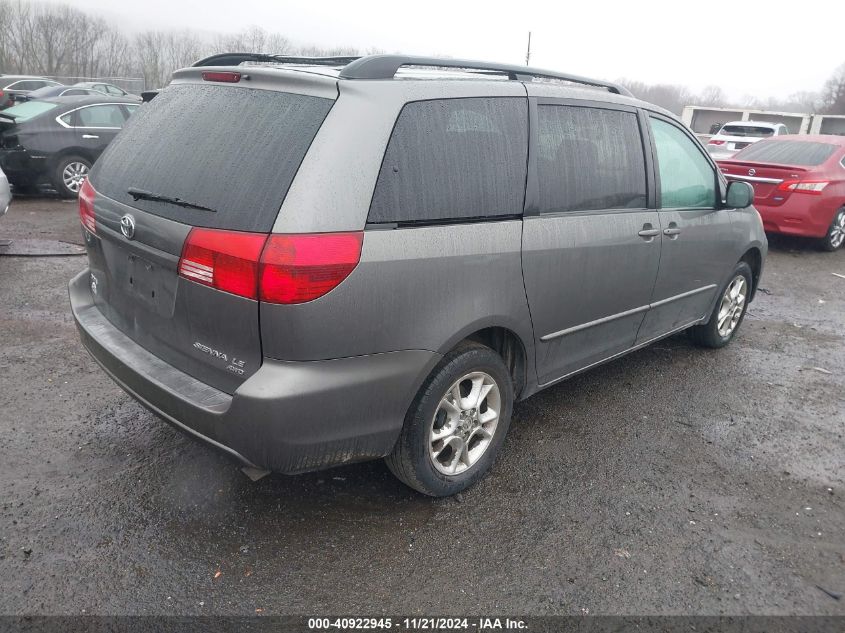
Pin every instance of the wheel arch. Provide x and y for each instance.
(505, 341)
(754, 258)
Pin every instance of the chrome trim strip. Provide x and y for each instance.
(626, 313)
(84, 127)
(584, 326)
(683, 295)
(771, 181)
(622, 353)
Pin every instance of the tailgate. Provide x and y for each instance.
(204, 156)
(765, 179)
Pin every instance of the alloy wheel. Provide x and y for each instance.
(732, 306)
(837, 230)
(464, 423)
(74, 174)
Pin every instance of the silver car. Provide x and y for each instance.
(311, 262)
(5, 194)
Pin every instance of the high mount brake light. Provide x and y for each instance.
(86, 206)
(272, 268)
(229, 78)
(813, 187)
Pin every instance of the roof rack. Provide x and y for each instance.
(386, 67)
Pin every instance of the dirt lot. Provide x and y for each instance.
(674, 481)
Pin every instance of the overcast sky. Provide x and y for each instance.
(748, 47)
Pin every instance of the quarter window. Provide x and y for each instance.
(589, 159)
(687, 180)
(452, 159)
(101, 116)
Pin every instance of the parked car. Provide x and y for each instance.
(14, 86)
(57, 140)
(57, 91)
(738, 135)
(799, 185)
(109, 89)
(306, 266)
(5, 194)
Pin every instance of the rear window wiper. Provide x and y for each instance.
(140, 194)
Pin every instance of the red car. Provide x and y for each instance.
(799, 185)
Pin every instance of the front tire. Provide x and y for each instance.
(729, 312)
(835, 234)
(456, 424)
(69, 174)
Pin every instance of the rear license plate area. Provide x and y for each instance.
(741, 145)
(142, 281)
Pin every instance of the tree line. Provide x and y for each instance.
(57, 40)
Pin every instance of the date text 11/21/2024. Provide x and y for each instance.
(417, 624)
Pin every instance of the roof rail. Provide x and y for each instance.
(386, 66)
(235, 59)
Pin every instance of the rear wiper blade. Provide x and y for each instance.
(140, 194)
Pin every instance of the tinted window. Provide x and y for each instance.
(589, 158)
(101, 116)
(454, 158)
(801, 153)
(747, 130)
(232, 149)
(687, 180)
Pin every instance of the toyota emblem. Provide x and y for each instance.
(127, 226)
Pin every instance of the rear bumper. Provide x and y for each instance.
(801, 215)
(288, 417)
(21, 167)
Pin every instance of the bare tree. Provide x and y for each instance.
(833, 93)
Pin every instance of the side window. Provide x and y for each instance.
(130, 110)
(101, 116)
(589, 159)
(450, 159)
(70, 119)
(113, 90)
(686, 178)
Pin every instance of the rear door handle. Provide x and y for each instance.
(673, 231)
(649, 232)
(89, 136)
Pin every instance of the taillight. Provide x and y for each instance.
(274, 268)
(300, 268)
(86, 206)
(716, 142)
(225, 260)
(229, 78)
(814, 187)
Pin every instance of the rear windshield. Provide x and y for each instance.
(746, 130)
(799, 153)
(27, 110)
(231, 149)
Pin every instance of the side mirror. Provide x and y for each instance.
(740, 195)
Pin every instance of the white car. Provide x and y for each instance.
(737, 135)
(5, 194)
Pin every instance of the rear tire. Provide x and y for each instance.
(729, 311)
(835, 234)
(456, 423)
(69, 174)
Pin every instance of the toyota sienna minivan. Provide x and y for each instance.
(311, 262)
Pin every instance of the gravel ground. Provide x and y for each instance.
(673, 481)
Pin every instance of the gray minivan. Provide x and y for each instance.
(311, 262)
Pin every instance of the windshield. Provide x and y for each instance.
(747, 130)
(799, 153)
(28, 110)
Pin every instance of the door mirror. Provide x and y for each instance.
(740, 195)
